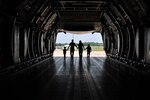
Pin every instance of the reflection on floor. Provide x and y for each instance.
(95, 78)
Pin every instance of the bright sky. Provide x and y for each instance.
(66, 38)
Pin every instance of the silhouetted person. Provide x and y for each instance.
(80, 47)
(72, 45)
(89, 49)
(64, 52)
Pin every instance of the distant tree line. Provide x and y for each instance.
(85, 43)
(93, 43)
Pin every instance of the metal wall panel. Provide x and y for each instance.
(147, 45)
(15, 44)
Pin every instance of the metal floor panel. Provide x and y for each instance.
(94, 78)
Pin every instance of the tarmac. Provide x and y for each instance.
(59, 53)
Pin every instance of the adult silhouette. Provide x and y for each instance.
(80, 47)
(71, 46)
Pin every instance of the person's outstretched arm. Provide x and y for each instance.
(84, 47)
(76, 46)
(68, 47)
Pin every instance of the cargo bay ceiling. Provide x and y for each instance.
(81, 15)
(31, 27)
(93, 15)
